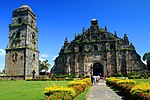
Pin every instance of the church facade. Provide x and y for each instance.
(22, 55)
(99, 52)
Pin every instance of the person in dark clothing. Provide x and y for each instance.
(91, 77)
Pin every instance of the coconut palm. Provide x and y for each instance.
(44, 65)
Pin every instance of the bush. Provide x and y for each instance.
(50, 91)
(118, 75)
(78, 82)
(140, 91)
(68, 92)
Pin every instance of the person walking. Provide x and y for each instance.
(91, 75)
(94, 80)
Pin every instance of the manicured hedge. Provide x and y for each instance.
(130, 88)
(68, 92)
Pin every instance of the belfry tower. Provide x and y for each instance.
(22, 55)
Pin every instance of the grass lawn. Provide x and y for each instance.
(25, 90)
(142, 81)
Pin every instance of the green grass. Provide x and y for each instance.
(142, 81)
(25, 90)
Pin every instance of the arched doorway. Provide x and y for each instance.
(98, 69)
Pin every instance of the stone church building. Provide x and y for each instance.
(98, 51)
(22, 55)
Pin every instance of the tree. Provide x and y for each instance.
(44, 65)
(146, 57)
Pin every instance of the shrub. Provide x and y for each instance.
(78, 89)
(61, 90)
(78, 82)
(118, 75)
(140, 91)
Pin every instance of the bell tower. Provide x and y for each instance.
(22, 55)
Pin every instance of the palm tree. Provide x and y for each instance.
(44, 65)
(146, 57)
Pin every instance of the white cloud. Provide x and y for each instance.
(42, 59)
(44, 56)
(2, 52)
(54, 57)
(2, 66)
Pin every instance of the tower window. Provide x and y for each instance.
(32, 22)
(14, 57)
(19, 20)
(33, 35)
(18, 35)
(95, 48)
(33, 56)
(21, 57)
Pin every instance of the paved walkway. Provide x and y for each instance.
(102, 92)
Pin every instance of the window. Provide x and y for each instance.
(32, 22)
(95, 48)
(19, 20)
(21, 57)
(14, 57)
(33, 35)
(80, 48)
(18, 35)
(33, 56)
(112, 46)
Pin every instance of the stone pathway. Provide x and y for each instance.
(102, 92)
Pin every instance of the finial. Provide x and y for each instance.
(105, 28)
(115, 34)
(126, 39)
(66, 40)
(94, 22)
(83, 30)
(75, 35)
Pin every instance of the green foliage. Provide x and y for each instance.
(68, 92)
(138, 75)
(86, 41)
(118, 75)
(146, 57)
(44, 65)
(60, 96)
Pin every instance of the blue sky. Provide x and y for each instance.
(57, 19)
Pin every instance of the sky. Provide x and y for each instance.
(58, 19)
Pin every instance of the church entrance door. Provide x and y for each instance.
(98, 69)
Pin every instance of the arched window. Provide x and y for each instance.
(18, 35)
(80, 48)
(112, 46)
(33, 56)
(19, 20)
(32, 22)
(33, 35)
(16, 56)
(95, 48)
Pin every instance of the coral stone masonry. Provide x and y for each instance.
(22, 55)
(99, 52)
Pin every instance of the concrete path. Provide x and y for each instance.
(101, 91)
